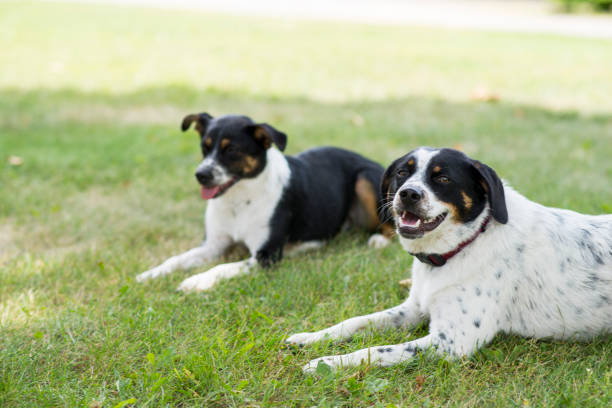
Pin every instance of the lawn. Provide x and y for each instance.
(91, 98)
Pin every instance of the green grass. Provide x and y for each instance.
(91, 97)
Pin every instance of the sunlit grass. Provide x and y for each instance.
(91, 98)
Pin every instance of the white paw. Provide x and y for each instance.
(151, 274)
(333, 362)
(208, 279)
(198, 283)
(305, 338)
(378, 241)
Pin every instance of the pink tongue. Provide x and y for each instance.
(208, 193)
(410, 219)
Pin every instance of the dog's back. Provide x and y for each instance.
(325, 183)
(562, 267)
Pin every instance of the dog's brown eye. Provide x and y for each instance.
(230, 149)
(402, 172)
(442, 179)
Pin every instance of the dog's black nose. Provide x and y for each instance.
(411, 195)
(204, 176)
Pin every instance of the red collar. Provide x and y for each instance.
(440, 259)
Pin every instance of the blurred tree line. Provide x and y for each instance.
(597, 5)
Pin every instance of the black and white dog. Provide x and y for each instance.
(487, 260)
(266, 200)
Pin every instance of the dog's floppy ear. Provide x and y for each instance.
(494, 188)
(265, 135)
(201, 119)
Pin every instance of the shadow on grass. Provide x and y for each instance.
(91, 157)
(106, 190)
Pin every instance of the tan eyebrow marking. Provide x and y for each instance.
(224, 143)
(208, 142)
(437, 169)
(410, 162)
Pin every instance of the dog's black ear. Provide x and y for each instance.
(201, 119)
(265, 135)
(494, 188)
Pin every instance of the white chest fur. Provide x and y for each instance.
(245, 210)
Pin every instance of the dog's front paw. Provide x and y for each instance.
(198, 283)
(301, 339)
(151, 274)
(378, 241)
(333, 362)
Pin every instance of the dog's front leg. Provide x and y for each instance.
(263, 254)
(210, 249)
(404, 315)
(452, 334)
(208, 279)
(379, 355)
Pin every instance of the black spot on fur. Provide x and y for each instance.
(477, 291)
(596, 255)
(498, 274)
(603, 300)
(442, 336)
(477, 323)
(523, 324)
(591, 281)
(586, 234)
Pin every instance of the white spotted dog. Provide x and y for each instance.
(487, 260)
(266, 200)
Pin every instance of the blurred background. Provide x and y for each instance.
(96, 179)
(91, 94)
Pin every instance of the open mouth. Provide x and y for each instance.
(412, 226)
(216, 191)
